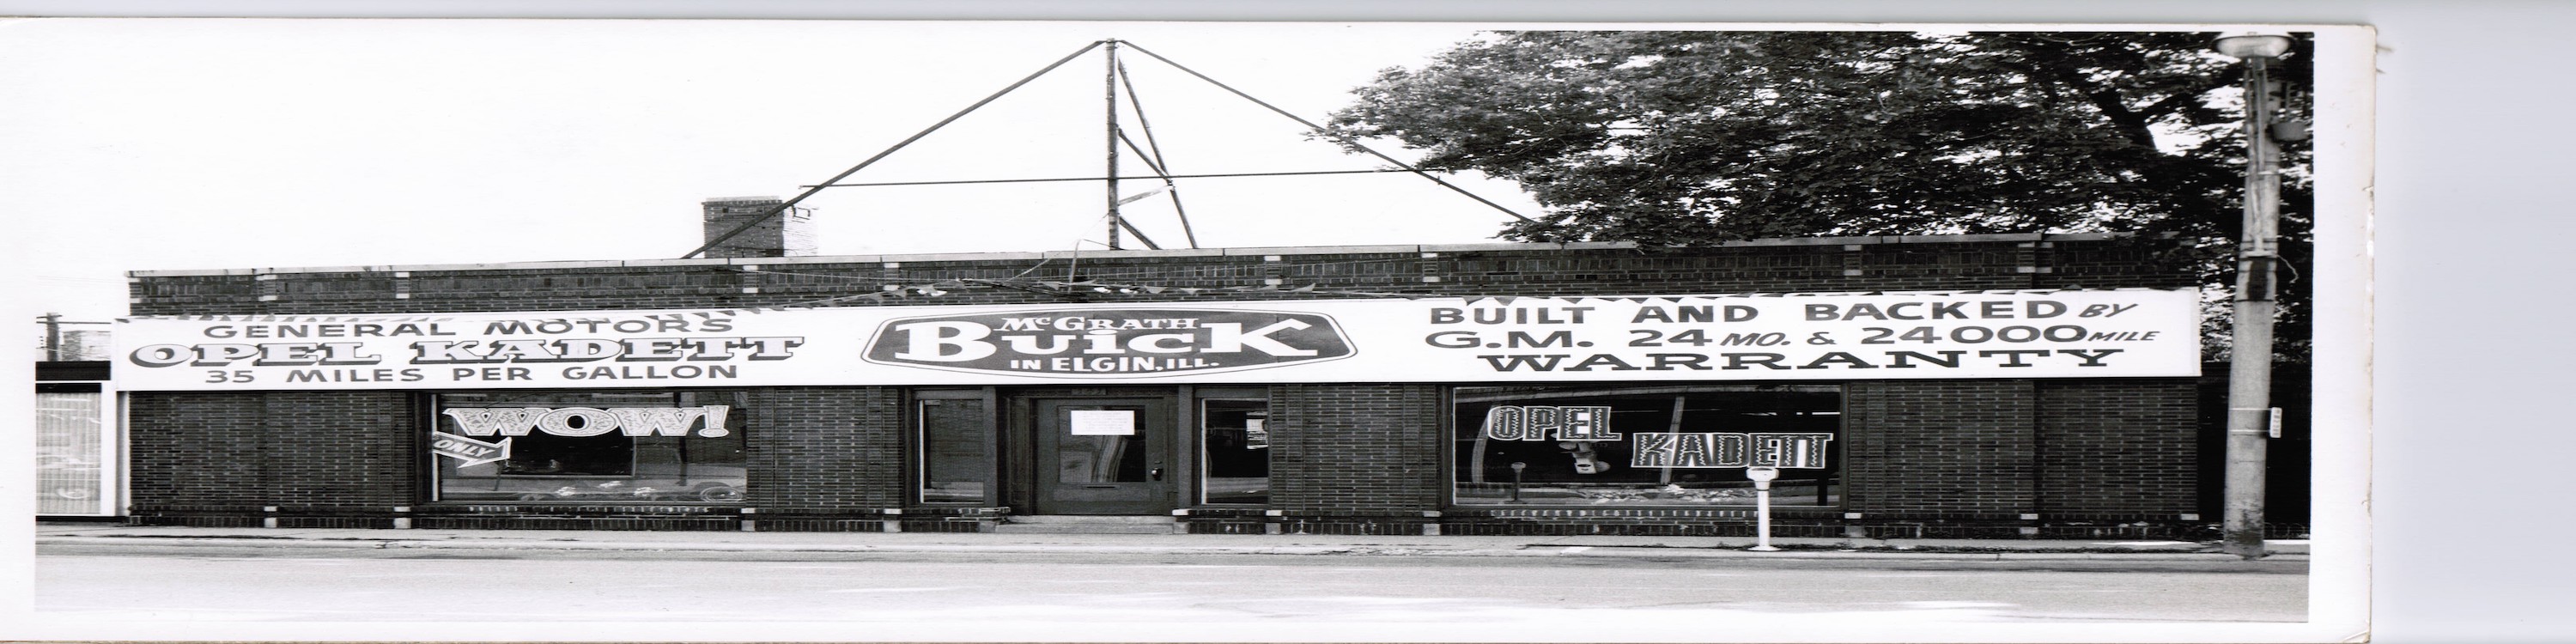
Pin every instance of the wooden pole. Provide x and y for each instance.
(2249, 377)
(1112, 90)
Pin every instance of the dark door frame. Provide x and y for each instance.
(1031, 490)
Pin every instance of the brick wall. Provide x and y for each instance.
(1948, 446)
(1355, 448)
(2117, 446)
(335, 448)
(825, 449)
(1853, 264)
(2060, 448)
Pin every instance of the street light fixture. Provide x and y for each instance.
(2249, 377)
(2254, 44)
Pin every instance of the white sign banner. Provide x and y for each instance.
(1816, 336)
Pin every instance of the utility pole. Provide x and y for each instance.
(1112, 84)
(2249, 376)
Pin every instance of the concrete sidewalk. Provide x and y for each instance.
(1203, 544)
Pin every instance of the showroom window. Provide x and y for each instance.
(1644, 445)
(590, 447)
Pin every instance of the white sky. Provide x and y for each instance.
(193, 144)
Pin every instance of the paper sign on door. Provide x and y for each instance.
(1114, 422)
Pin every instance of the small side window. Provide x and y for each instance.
(954, 437)
(1234, 440)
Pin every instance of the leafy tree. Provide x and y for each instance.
(1696, 137)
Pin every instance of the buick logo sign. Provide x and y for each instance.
(1109, 343)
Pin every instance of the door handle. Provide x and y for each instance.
(1155, 474)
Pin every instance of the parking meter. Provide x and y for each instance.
(1761, 476)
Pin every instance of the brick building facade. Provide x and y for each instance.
(1985, 456)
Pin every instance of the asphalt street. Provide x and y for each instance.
(206, 583)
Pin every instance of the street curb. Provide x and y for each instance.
(1534, 550)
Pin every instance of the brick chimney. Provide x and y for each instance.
(790, 234)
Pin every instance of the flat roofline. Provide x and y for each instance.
(1119, 254)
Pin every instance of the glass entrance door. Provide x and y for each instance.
(1103, 455)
